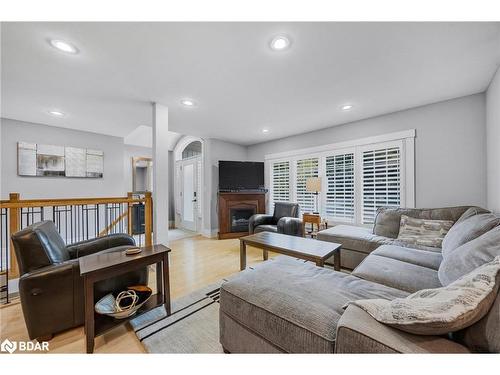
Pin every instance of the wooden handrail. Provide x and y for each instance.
(67, 202)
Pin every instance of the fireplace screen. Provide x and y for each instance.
(239, 218)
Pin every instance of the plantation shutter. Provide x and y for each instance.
(306, 168)
(381, 181)
(280, 182)
(340, 187)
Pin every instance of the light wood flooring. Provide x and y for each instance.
(194, 263)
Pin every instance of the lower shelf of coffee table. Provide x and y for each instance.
(104, 323)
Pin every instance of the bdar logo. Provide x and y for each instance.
(8, 346)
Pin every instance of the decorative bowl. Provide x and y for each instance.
(125, 303)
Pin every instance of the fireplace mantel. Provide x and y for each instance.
(238, 200)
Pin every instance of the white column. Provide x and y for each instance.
(160, 174)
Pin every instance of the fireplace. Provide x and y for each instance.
(235, 210)
(239, 218)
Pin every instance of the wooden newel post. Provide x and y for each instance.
(14, 226)
(148, 219)
(129, 209)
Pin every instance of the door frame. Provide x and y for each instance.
(194, 161)
(179, 147)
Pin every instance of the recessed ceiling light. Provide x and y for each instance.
(280, 43)
(188, 102)
(347, 107)
(265, 131)
(56, 113)
(63, 46)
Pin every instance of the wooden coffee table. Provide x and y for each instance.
(299, 247)
(97, 267)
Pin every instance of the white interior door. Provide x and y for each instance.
(189, 194)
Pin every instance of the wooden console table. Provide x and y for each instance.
(98, 267)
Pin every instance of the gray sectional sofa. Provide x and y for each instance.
(288, 305)
(358, 242)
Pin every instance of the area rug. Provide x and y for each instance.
(193, 326)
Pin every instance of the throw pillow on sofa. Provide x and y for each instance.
(470, 255)
(441, 310)
(468, 229)
(423, 232)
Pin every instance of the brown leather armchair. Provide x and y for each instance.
(50, 285)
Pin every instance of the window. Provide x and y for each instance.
(357, 177)
(280, 180)
(305, 168)
(381, 181)
(339, 170)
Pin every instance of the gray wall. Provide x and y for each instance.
(112, 184)
(449, 146)
(493, 143)
(216, 150)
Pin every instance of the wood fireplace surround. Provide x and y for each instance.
(230, 203)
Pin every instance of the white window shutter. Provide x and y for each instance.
(305, 168)
(381, 180)
(340, 187)
(280, 182)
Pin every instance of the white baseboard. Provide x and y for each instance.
(210, 233)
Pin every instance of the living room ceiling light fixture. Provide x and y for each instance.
(188, 103)
(63, 46)
(347, 107)
(56, 113)
(265, 131)
(280, 43)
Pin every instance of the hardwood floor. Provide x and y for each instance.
(194, 263)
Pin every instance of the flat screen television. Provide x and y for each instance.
(241, 175)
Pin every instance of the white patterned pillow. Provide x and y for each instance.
(424, 232)
(441, 310)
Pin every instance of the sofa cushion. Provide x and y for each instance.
(293, 304)
(441, 310)
(423, 231)
(266, 228)
(396, 273)
(388, 218)
(354, 238)
(466, 230)
(471, 212)
(469, 256)
(428, 259)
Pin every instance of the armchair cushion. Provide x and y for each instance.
(285, 209)
(39, 245)
(82, 248)
(266, 228)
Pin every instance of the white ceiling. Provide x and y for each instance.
(240, 84)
